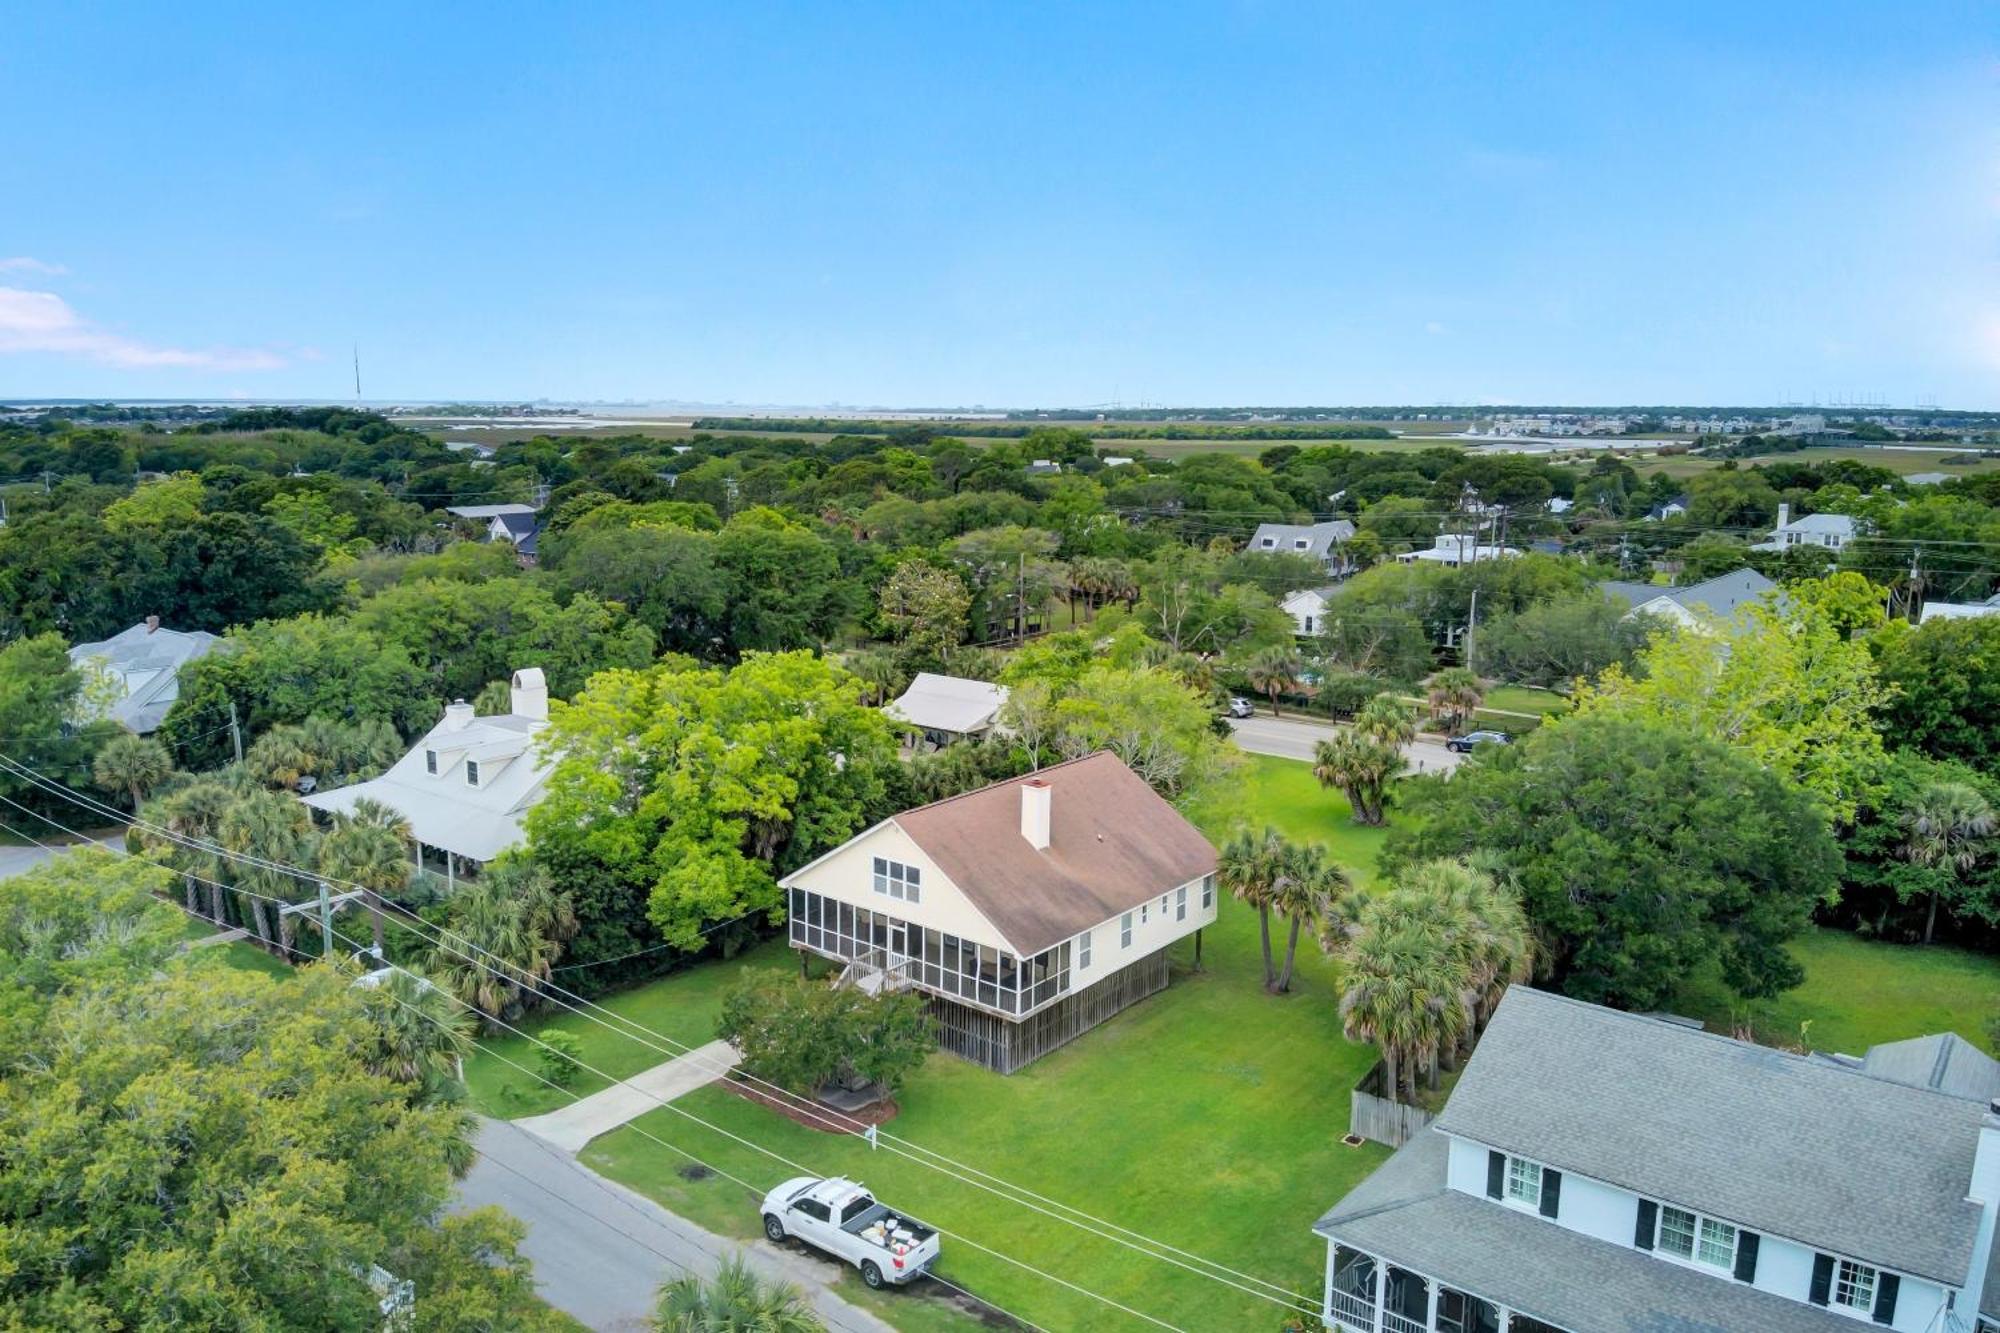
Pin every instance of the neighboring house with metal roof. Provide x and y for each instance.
(948, 708)
(1926, 478)
(482, 513)
(1320, 541)
(1959, 610)
(524, 530)
(1696, 605)
(1831, 531)
(1452, 549)
(467, 785)
(139, 671)
(1666, 509)
(1026, 912)
(1605, 1172)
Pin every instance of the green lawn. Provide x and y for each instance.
(1859, 992)
(1282, 793)
(682, 1007)
(1526, 699)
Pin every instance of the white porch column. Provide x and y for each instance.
(1430, 1303)
(450, 873)
(1381, 1293)
(1326, 1296)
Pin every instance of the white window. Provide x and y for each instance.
(1142, 914)
(1125, 931)
(1083, 950)
(1524, 1182)
(472, 772)
(431, 762)
(1163, 904)
(1269, 542)
(1854, 1286)
(1207, 892)
(1180, 904)
(895, 880)
(1301, 543)
(1697, 1239)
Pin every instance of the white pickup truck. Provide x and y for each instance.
(843, 1219)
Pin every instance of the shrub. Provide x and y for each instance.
(803, 1035)
(559, 1055)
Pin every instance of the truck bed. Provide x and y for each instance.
(887, 1230)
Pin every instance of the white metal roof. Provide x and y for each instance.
(487, 511)
(948, 703)
(443, 810)
(147, 662)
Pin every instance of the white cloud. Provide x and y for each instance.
(23, 264)
(1434, 328)
(44, 322)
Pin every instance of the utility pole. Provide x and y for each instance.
(325, 920)
(235, 731)
(1471, 624)
(1021, 598)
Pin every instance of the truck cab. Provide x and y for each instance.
(844, 1219)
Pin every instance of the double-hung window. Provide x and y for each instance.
(1083, 950)
(472, 773)
(431, 762)
(895, 880)
(1524, 1182)
(1701, 1240)
(1125, 931)
(1180, 903)
(1854, 1286)
(1207, 892)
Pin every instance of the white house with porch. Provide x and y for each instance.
(1605, 1172)
(942, 709)
(1026, 912)
(466, 786)
(1452, 549)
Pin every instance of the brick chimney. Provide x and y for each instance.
(1035, 812)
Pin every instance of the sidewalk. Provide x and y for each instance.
(570, 1127)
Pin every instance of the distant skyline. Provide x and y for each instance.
(940, 206)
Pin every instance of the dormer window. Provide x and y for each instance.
(431, 762)
(1269, 542)
(472, 772)
(1699, 1240)
(1301, 544)
(1524, 1182)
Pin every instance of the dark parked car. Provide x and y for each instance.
(1472, 740)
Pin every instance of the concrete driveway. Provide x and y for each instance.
(601, 1251)
(570, 1127)
(1291, 737)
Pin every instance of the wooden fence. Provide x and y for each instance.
(1376, 1118)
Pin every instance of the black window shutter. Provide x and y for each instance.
(1822, 1284)
(1496, 1173)
(1552, 1192)
(1649, 1222)
(1746, 1256)
(1885, 1298)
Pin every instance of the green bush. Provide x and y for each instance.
(559, 1053)
(803, 1035)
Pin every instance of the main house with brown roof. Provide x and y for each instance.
(1027, 912)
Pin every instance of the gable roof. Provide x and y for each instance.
(1943, 1062)
(517, 525)
(443, 812)
(1305, 597)
(1319, 538)
(148, 658)
(1721, 596)
(948, 703)
(1113, 844)
(1407, 1215)
(1835, 524)
(1768, 1140)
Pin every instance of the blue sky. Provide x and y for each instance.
(1006, 204)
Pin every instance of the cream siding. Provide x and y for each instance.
(847, 875)
(1157, 931)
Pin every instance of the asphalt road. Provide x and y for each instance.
(20, 860)
(601, 1251)
(1294, 737)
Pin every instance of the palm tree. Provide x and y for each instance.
(490, 953)
(1454, 694)
(878, 673)
(1375, 1006)
(1408, 988)
(423, 1033)
(273, 828)
(1308, 890)
(1273, 671)
(372, 851)
(1387, 720)
(1360, 767)
(279, 758)
(1479, 922)
(735, 1300)
(1249, 868)
(193, 813)
(131, 764)
(1946, 829)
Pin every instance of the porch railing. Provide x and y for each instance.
(1355, 1312)
(1396, 1323)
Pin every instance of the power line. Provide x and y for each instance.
(1289, 1299)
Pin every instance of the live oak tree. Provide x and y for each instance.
(194, 1146)
(699, 786)
(1644, 853)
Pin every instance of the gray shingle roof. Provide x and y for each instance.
(1945, 1062)
(1319, 538)
(1772, 1141)
(1404, 1214)
(148, 661)
(1721, 596)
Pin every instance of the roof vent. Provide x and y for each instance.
(1035, 811)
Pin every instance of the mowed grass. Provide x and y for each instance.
(1900, 461)
(1282, 794)
(1859, 992)
(682, 1008)
(1208, 1116)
